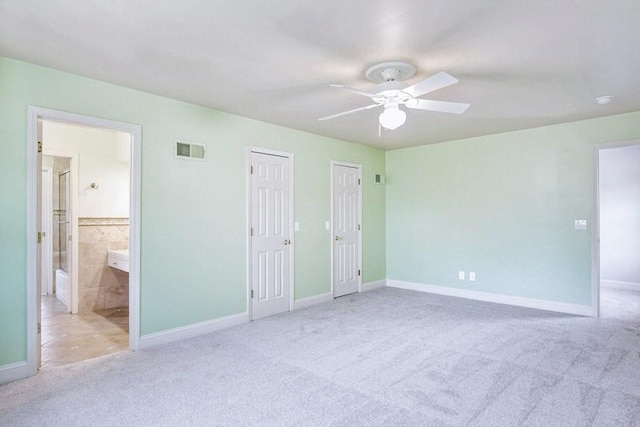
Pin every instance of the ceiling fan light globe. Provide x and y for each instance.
(392, 118)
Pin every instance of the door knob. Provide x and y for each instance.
(339, 238)
(287, 242)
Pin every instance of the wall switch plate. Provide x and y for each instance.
(296, 226)
(472, 276)
(327, 225)
(580, 224)
(460, 275)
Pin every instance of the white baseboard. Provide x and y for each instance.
(369, 286)
(620, 285)
(193, 330)
(13, 371)
(561, 307)
(313, 300)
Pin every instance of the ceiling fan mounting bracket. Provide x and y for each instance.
(390, 71)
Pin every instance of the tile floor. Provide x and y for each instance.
(69, 338)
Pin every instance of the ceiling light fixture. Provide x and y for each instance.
(392, 117)
(603, 100)
(391, 92)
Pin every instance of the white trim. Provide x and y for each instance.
(359, 168)
(369, 286)
(313, 300)
(620, 284)
(253, 149)
(32, 248)
(595, 215)
(193, 330)
(13, 371)
(561, 307)
(35, 113)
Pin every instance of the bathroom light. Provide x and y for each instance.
(392, 117)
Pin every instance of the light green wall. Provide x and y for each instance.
(502, 206)
(193, 219)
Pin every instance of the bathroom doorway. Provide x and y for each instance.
(91, 307)
(87, 315)
(56, 193)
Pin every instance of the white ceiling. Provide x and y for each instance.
(520, 64)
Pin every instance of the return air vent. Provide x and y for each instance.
(186, 150)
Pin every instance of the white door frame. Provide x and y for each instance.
(33, 175)
(359, 168)
(73, 226)
(250, 150)
(595, 228)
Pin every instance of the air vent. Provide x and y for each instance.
(186, 150)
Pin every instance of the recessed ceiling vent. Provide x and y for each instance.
(185, 150)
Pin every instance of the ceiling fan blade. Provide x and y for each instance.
(442, 106)
(344, 113)
(431, 84)
(352, 89)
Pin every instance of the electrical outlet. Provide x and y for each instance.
(460, 275)
(472, 276)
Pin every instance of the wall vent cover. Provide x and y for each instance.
(185, 150)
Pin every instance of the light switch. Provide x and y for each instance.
(327, 225)
(296, 226)
(580, 224)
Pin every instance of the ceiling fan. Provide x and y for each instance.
(391, 92)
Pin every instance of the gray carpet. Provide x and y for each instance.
(386, 357)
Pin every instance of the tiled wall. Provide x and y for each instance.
(100, 286)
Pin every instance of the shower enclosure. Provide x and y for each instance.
(61, 231)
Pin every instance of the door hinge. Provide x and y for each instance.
(39, 236)
(39, 146)
(358, 181)
(251, 232)
(251, 170)
(39, 327)
(251, 293)
(358, 272)
(358, 227)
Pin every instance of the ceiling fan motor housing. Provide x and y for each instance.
(389, 86)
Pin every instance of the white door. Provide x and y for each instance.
(271, 203)
(38, 215)
(346, 229)
(47, 231)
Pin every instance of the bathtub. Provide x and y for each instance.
(62, 286)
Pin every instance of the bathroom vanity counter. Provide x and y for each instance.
(119, 259)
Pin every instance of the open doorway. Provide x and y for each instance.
(83, 296)
(618, 215)
(87, 314)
